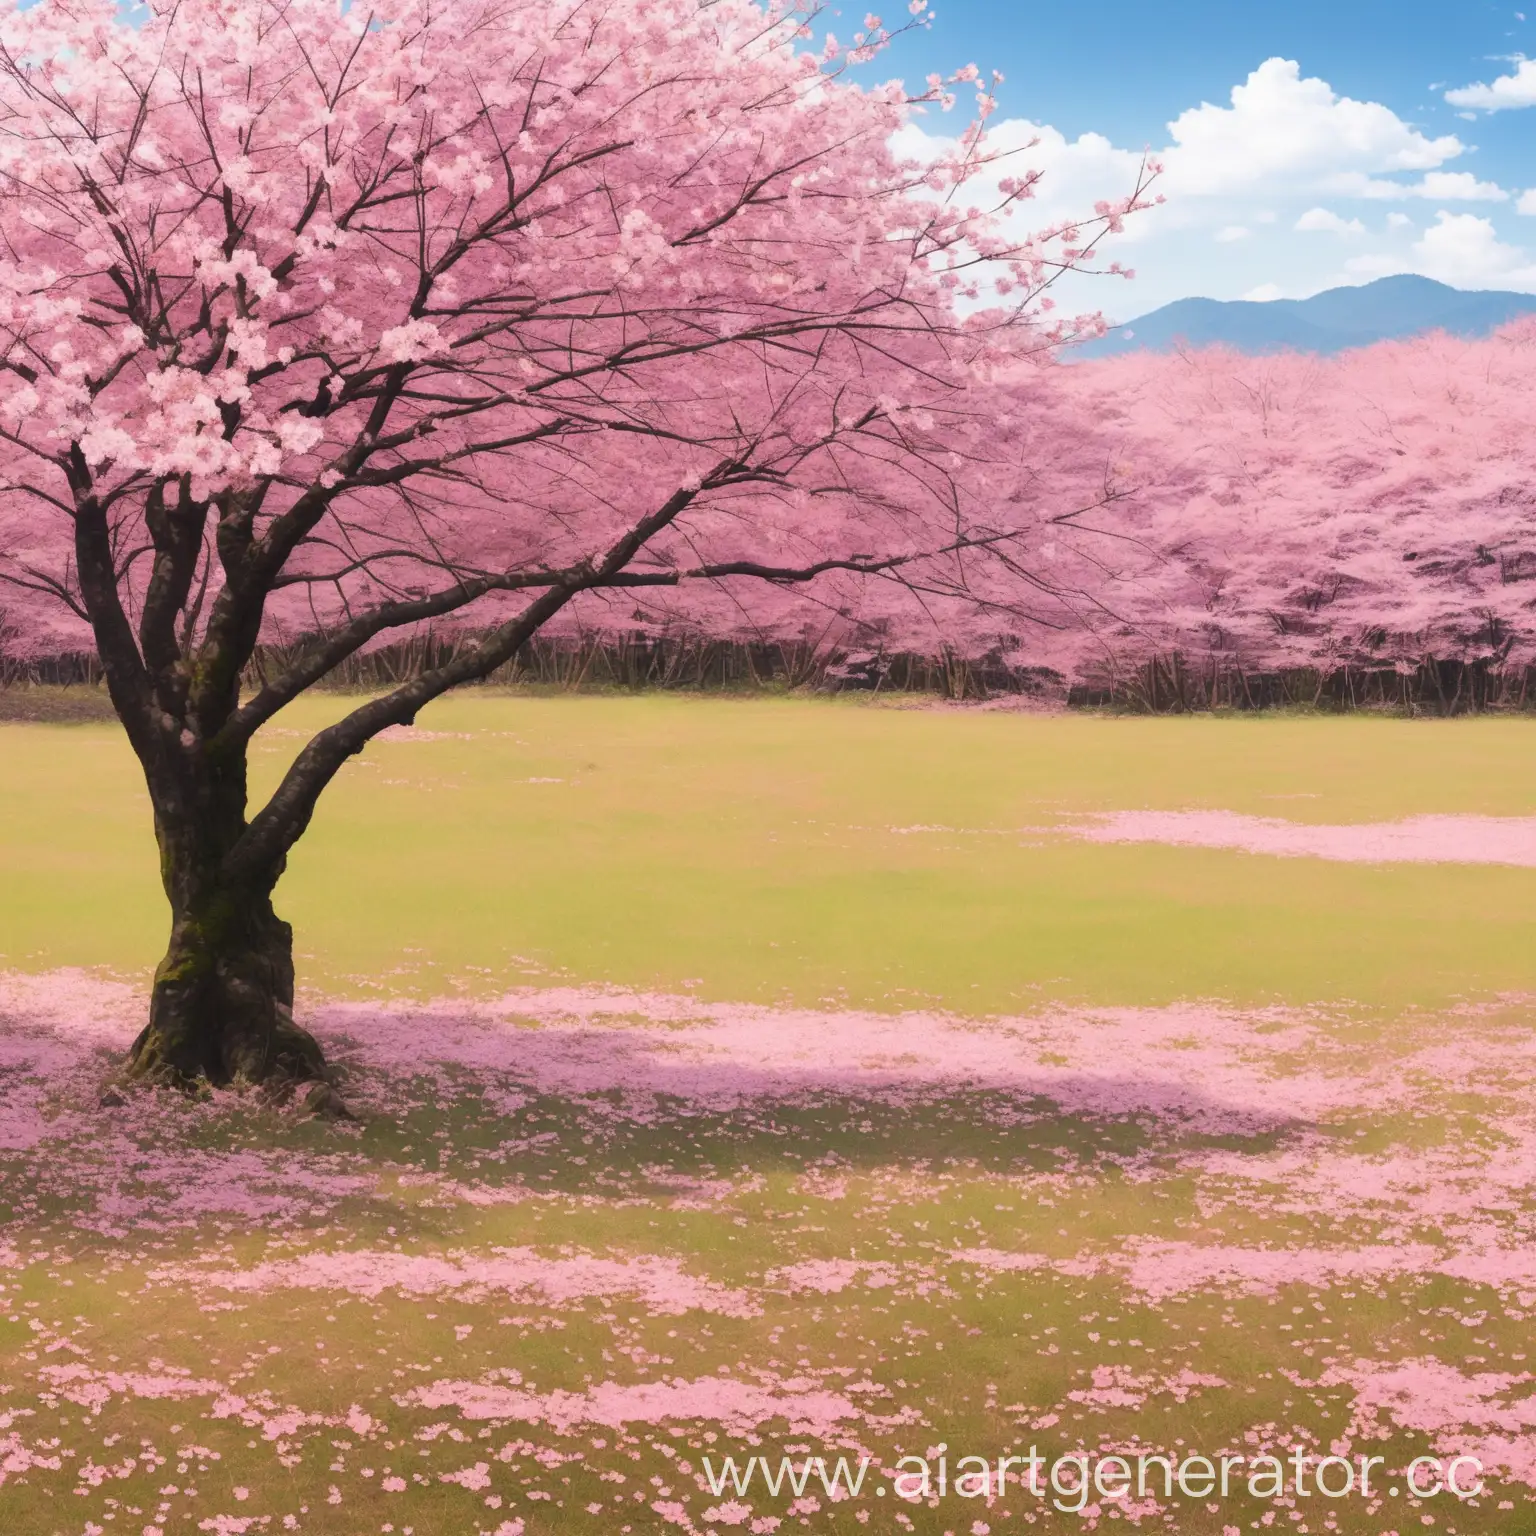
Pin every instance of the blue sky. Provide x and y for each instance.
(1364, 136)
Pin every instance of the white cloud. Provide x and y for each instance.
(1465, 249)
(1516, 90)
(1265, 293)
(1527, 203)
(1249, 187)
(1436, 186)
(1284, 129)
(1458, 186)
(1325, 219)
(1461, 249)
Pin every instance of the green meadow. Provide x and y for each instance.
(1251, 1171)
(756, 850)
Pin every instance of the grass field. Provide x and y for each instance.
(759, 851)
(781, 1077)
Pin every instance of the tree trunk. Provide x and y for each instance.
(221, 1010)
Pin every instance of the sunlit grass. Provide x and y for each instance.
(754, 851)
(746, 850)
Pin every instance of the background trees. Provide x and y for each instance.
(1374, 510)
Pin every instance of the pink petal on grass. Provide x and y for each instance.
(1415, 839)
(739, 1406)
(660, 1282)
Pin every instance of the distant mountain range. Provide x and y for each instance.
(1390, 307)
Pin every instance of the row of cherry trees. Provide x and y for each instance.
(1370, 512)
(1221, 519)
(1367, 511)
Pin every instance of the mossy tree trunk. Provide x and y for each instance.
(222, 1005)
(221, 1009)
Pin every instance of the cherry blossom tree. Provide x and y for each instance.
(1373, 510)
(346, 321)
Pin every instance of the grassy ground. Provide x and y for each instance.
(575, 1233)
(756, 851)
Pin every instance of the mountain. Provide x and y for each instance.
(1327, 322)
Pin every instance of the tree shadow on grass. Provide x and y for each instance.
(613, 1114)
(585, 1144)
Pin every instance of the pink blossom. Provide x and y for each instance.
(1418, 839)
(732, 1512)
(474, 1478)
(739, 1406)
(661, 1283)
